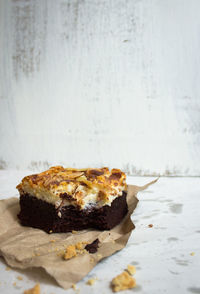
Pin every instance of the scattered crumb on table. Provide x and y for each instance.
(14, 284)
(91, 281)
(53, 240)
(8, 268)
(122, 282)
(150, 225)
(74, 232)
(20, 278)
(131, 269)
(74, 286)
(34, 290)
(192, 253)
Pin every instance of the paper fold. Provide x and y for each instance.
(24, 247)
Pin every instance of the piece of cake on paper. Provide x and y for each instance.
(65, 199)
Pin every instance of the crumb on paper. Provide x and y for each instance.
(14, 284)
(122, 282)
(34, 290)
(131, 269)
(20, 278)
(74, 250)
(91, 281)
(61, 253)
(8, 268)
(74, 286)
(79, 245)
(192, 253)
(74, 232)
(70, 252)
(52, 241)
(150, 225)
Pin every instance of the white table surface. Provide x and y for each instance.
(161, 254)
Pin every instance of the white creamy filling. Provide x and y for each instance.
(89, 199)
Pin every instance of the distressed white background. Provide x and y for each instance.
(92, 83)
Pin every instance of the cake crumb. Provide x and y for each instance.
(8, 268)
(14, 284)
(91, 260)
(34, 290)
(52, 241)
(74, 232)
(131, 269)
(99, 255)
(20, 278)
(50, 231)
(79, 245)
(122, 282)
(74, 250)
(91, 281)
(70, 252)
(74, 286)
(192, 253)
(150, 225)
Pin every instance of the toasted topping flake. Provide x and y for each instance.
(131, 269)
(122, 282)
(34, 290)
(78, 187)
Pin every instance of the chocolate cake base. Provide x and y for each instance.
(39, 214)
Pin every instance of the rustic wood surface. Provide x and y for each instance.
(89, 83)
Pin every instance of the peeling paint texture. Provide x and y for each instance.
(100, 83)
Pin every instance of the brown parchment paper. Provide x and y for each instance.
(24, 247)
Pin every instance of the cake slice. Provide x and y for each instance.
(65, 199)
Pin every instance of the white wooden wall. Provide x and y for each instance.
(98, 82)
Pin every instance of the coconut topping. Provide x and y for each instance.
(84, 188)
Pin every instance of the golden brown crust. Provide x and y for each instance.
(74, 184)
